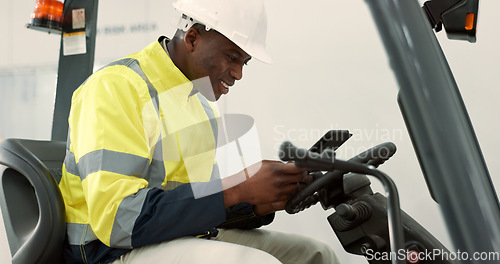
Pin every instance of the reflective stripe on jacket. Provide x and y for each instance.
(141, 153)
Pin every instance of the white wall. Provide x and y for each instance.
(330, 71)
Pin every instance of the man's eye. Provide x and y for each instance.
(231, 58)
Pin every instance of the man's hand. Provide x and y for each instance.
(267, 185)
(265, 209)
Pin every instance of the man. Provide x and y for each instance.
(140, 181)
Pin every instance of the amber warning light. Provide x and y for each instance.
(47, 16)
(469, 21)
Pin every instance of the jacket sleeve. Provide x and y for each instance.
(113, 155)
(242, 216)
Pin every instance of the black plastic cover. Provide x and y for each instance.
(453, 14)
(31, 202)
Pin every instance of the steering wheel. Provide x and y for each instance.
(307, 197)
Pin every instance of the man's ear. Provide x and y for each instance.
(190, 38)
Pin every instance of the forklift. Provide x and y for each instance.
(366, 223)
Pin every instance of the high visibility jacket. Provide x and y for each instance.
(141, 153)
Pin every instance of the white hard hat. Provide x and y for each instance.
(244, 22)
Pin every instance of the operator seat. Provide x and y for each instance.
(31, 203)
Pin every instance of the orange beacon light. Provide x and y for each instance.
(47, 16)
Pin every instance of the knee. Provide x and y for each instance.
(248, 255)
(315, 252)
(323, 253)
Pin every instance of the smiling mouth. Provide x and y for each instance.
(225, 87)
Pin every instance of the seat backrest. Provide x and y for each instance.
(30, 199)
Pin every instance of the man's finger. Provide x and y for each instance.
(291, 168)
(307, 178)
(294, 178)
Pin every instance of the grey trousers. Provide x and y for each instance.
(234, 246)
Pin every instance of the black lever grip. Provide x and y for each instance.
(304, 158)
(376, 155)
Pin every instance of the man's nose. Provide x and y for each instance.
(237, 72)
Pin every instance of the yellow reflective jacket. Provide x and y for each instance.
(141, 153)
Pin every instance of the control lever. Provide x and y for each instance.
(314, 161)
(350, 216)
